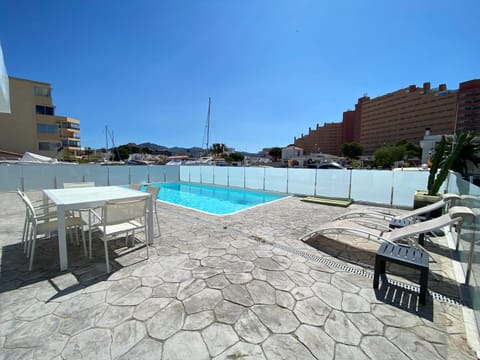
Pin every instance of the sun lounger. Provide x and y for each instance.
(388, 214)
(382, 233)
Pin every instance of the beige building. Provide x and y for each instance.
(32, 124)
(405, 114)
(324, 139)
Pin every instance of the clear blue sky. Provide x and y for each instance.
(273, 68)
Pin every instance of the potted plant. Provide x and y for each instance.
(443, 159)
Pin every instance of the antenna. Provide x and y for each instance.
(206, 135)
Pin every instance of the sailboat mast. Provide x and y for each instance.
(206, 135)
(208, 122)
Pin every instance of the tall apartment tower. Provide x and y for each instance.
(32, 124)
(405, 114)
(324, 139)
(468, 116)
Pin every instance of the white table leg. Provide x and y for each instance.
(62, 238)
(150, 220)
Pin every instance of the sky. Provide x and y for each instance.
(273, 68)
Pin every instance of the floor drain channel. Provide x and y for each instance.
(331, 264)
(338, 266)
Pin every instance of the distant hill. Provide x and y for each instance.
(153, 147)
(194, 151)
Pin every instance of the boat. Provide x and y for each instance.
(30, 158)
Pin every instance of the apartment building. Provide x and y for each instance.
(468, 117)
(401, 115)
(33, 125)
(405, 114)
(324, 139)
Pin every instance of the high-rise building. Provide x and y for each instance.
(468, 117)
(32, 124)
(324, 139)
(404, 114)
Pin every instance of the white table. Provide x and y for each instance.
(91, 197)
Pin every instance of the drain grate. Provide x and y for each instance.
(330, 263)
(343, 267)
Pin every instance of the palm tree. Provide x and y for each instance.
(469, 155)
(218, 149)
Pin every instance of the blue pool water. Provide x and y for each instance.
(212, 199)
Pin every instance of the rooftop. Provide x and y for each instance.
(239, 286)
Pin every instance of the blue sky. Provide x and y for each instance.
(273, 68)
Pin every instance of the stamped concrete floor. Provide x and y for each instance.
(232, 287)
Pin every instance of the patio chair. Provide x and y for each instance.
(389, 214)
(382, 233)
(118, 217)
(153, 190)
(45, 209)
(79, 212)
(46, 223)
(135, 186)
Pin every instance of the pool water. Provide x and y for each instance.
(212, 199)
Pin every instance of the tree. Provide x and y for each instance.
(469, 155)
(218, 149)
(412, 150)
(443, 160)
(388, 155)
(237, 157)
(275, 153)
(352, 150)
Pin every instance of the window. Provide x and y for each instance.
(67, 125)
(72, 143)
(41, 91)
(47, 128)
(44, 110)
(48, 146)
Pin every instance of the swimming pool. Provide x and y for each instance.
(212, 199)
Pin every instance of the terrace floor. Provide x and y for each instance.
(233, 287)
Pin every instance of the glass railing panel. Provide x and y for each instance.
(157, 173)
(220, 175)
(138, 174)
(405, 183)
(184, 172)
(96, 173)
(118, 175)
(333, 183)
(236, 177)
(458, 185)
(10, 177)
(373, 186)
(206, 174)
(254, 177)
(195, 174)
(172, 173)
(276, 179)
(301, 181)
(37, 177)
(68, 173)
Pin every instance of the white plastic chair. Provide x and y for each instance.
(44, 209)
(153, 190)
(44, 224)
(117, 217)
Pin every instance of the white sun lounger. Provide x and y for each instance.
(388, 214)
(381, 233)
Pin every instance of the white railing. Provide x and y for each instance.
(36, 177)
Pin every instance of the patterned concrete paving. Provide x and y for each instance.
(233, 287)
